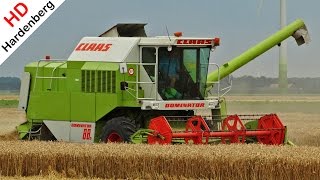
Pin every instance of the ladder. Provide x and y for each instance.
(35, 131)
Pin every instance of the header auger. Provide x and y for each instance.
(125, 87)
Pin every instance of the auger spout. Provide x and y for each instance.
(297, 29)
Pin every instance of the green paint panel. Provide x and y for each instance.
(75, 64)
(74, 80)
(61, 84)
(83, 107)
(49, 105)
(90, 66)
(223, 107)
(105, 66)
(105, 103)
(23, 129)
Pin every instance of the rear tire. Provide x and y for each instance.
(118, 130)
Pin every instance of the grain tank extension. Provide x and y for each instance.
(126, 87)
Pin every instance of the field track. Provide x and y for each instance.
(9, 97)
(9, 119)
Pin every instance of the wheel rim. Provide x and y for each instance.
(114, 137)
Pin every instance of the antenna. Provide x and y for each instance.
(168, 33)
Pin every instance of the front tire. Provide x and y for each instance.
(118, 130)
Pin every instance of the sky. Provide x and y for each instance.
(239, 24)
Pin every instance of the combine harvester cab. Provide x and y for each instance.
(125, 87)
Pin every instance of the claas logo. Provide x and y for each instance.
(93, 47)
(195, 41)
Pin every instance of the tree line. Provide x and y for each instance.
(240, 85)
(257, 85)
(9, 83)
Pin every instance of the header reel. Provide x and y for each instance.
(269, 130)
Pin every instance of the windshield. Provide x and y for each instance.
(183, 72)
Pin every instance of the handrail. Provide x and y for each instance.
(53, 73)
(44, 77)
(215, 82)
(140, 82)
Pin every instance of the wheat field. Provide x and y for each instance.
(58, 160)
(158, 162)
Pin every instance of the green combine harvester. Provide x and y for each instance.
(126, 87)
